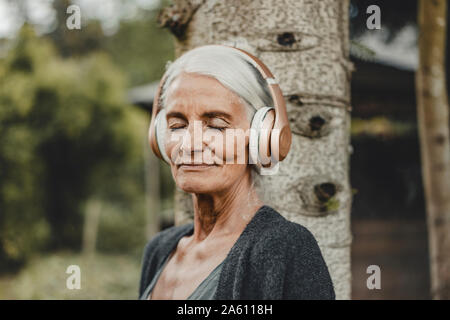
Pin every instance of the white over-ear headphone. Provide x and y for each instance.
(270, 134)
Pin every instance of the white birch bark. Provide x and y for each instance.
(306, 45)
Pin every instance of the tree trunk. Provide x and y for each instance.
(306, 46)
(433, 118)
(90, 229)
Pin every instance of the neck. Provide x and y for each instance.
(225, 212)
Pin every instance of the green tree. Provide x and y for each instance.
(141, 48)
(67, 136)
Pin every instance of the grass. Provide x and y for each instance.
(102, 277)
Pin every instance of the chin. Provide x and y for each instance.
(196, 185)
(192, 187)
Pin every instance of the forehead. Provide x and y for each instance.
(198, 93)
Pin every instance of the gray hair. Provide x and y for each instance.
(227, 66)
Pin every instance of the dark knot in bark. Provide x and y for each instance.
(286, 39)
(176, 17)
(316, 123)
(311, 121)
(295, 98)
(320, 195)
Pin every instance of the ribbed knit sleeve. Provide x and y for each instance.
(288, 265)
(307, 275)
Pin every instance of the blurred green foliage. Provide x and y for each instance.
(69, 138)
(75, 43)
(102, 277)
(141, 48)
(67, 135)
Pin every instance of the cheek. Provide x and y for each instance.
(170, 149)
(236, 148)
(229, 175)
(183, 180)
(215, 145)
(231, 146)
(173, 141)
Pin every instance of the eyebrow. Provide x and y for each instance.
(217, 114)
(211, 114)
(175, 114)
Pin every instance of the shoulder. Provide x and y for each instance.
(166, 238)
(275, 232)
(290, 254)
(164, 241)
(156, 250)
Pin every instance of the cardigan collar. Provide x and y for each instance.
(264, 215)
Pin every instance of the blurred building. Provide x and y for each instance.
(388, 212)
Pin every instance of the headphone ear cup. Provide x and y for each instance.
(256, 129)
(265, 146)
(160, 133)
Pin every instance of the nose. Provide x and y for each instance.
(191, 146)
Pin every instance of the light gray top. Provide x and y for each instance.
(205, 291)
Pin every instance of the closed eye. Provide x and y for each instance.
(176, 128)
(217, 128)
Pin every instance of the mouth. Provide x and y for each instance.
(196, 166)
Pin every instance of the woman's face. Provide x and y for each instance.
(207, 134)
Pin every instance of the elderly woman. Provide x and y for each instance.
(236, 247)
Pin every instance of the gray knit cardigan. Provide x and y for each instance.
(272, 259)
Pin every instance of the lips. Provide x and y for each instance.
(195, 166)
